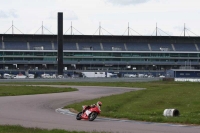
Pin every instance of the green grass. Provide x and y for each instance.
(30, 90)
(20, 129)
(149, 104)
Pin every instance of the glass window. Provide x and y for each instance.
(106, 54)
(28, 59)
(28, 53)
(78, 54)
(193, 60)
(18, 53)
(127, 60)
(164, 60)
(115, 59)
(8, 59)
(174, 55)
(97, 54)
(172, 60)
(162, 55)
(136, 55)
(193, 55)
(67, 59)
(8, 53)
(86, 59)
(48, 54)
(98, 59)
(181, 60)
(38, 59)
(87, 54)
(166, 55)
(144, 54)
(107, 59)
(68, 54)
(116, 54)
(137, 59)
(156, 55)
(183, 54)
(18, 59)
(126, 54)
(38, 53)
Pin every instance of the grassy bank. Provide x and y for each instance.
(20, 129)
(149, 104)
(30, 90)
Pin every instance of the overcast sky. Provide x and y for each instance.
(113, 15)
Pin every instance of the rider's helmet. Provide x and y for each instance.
(99, 103)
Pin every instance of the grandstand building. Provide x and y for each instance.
(136, 54)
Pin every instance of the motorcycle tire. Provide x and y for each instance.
(78, 116)
(92, 116)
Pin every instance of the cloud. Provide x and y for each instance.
(13, 13)
(127, 2)
(67, 15)
(3, 14)
(8, 14)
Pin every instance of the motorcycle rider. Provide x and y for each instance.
(99, 104)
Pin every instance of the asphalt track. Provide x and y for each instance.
(39, 111)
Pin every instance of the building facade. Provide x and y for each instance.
(99, 53)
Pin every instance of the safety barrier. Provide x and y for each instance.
(171, 112)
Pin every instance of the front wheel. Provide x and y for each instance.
(78, 116)
(92, 116)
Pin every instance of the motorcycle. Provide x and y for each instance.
(89, 114)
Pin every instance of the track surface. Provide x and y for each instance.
(39, 111)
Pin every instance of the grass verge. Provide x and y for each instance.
(30, 90)
(149, 104)
(20, 129)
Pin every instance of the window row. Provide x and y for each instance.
(101, 54)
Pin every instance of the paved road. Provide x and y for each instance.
(39, 111)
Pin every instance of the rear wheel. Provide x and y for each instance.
(92, 116)
(78, 116)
